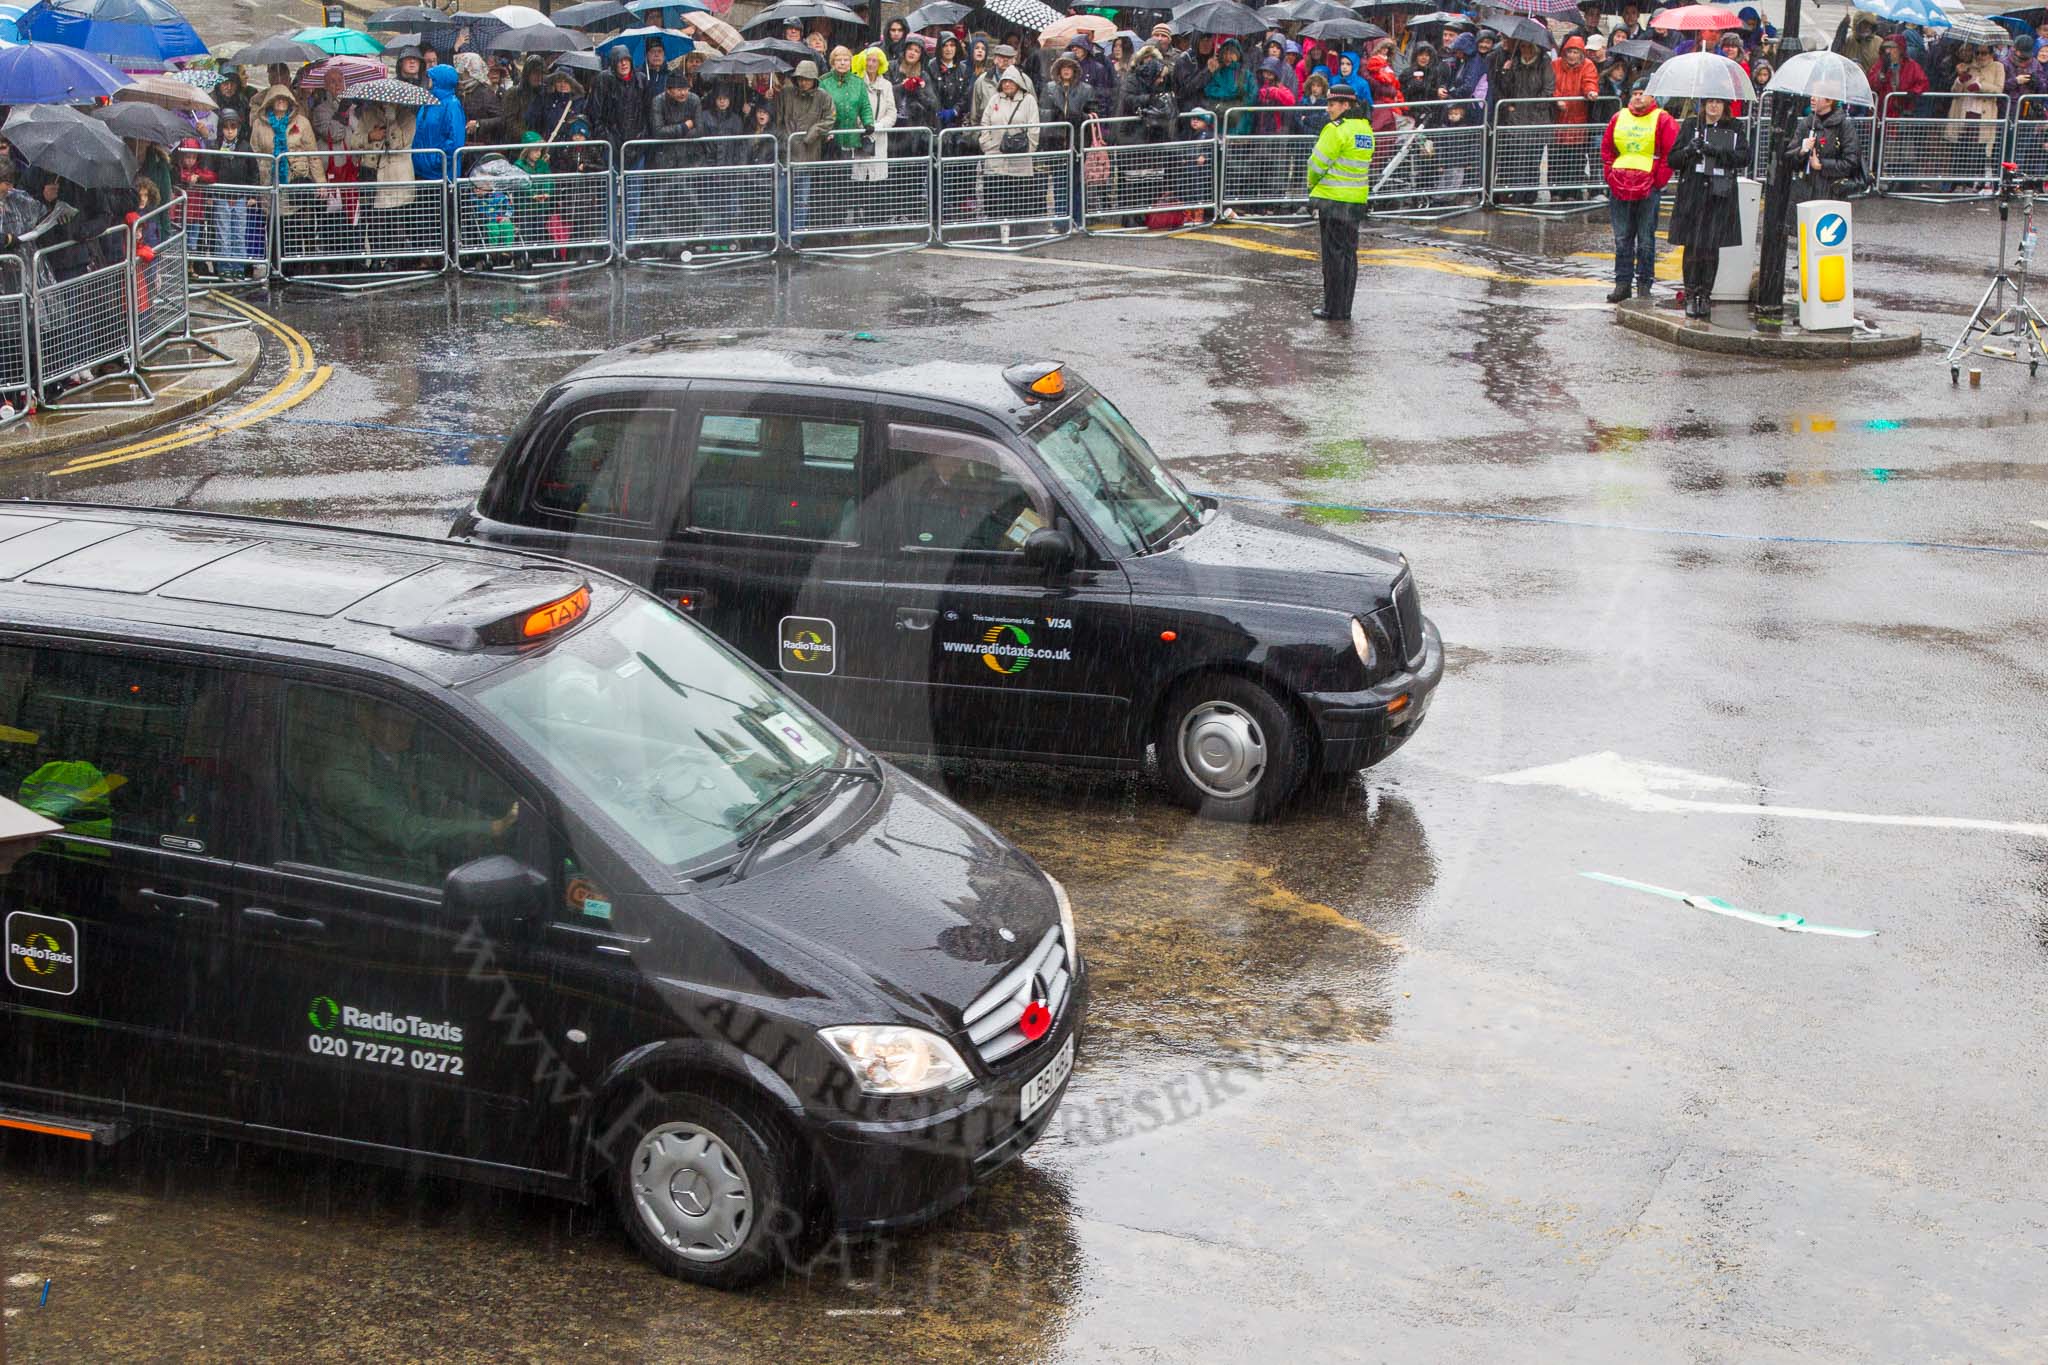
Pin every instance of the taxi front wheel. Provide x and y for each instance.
(1230, 749)
(705, 1192)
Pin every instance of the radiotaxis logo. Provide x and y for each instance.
(42, 953)
(808, 644)
(807, 647)
(1013, 658)
(326, 1014)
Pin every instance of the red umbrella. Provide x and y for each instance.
(354, 71)
(1695, 18)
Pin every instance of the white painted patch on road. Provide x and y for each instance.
(1650, 787)
(2041, 524)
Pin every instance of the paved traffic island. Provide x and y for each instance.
(179, 394)
(1731, 332)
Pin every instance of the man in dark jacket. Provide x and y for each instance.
(1147, 97)
(672, 116)
(618, 106)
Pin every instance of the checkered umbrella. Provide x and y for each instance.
(1534, 8)
(1968, 28)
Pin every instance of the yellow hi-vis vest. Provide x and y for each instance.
(1635, 141)
(1340, 168)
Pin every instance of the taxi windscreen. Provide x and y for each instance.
(657, 724)
(1121, 486)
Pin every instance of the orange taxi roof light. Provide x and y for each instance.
(562, 612)
(1051, 384)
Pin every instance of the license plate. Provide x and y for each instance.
(1040, 1088)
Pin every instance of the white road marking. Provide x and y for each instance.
(1642, 786)
(101, 1219)
(863, 1312)
(66, 1239)
(25, 1280)
(2042, 524)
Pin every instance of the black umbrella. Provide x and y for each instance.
(1342, 30)
(145, 123)
(59, 140)
(578, 61)
(800, 10)
(1519, 28)
(590, 12)
(776, 47)
(939, 14)
(1640, 50)
(539, 38)
(280, 47)
(1224, 18)
(1303, 11)
(745, 64)
(406, 18)
(1439, 18)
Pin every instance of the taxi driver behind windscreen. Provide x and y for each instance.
(961, 495)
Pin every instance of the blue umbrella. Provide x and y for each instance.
(44, 73)
(8, 14)
(673, 44)
(148, 29)
(1918, 13)
(2013, 24)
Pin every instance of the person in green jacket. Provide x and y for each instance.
(850, 103)
(1339, 182)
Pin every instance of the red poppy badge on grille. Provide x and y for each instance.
(1035, 1020)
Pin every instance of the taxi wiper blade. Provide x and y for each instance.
(751, 843)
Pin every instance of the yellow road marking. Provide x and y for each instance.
(1415, 258)
(302, 379)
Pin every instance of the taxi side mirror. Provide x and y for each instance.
(1050, 549)
(497, 891)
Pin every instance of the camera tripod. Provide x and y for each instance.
(1995, 315)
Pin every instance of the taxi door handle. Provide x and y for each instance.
(285, 924)
(182, 904)
(915, 618)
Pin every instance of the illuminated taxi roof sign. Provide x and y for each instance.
(514, 609)
(1038, 380)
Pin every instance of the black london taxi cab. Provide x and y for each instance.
(971, 558)
(491, 865)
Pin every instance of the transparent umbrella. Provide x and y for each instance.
(1701, 76)
(1826, 74)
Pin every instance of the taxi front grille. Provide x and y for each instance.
(992, 1020)
(1408, 617)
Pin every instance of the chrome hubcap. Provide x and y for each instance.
(1222, 749)
(692, 1192)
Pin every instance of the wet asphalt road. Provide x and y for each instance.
(1386, 1079)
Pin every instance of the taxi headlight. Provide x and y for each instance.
(888, 1059)
(1361, 643)
(1059, 893)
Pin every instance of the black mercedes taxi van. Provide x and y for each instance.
(971, 558)
(492, 865)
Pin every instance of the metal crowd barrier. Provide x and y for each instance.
(355, 229)
(852, 205)
(163, 293)
(529, 224)
(1928, 157)
(16, 378)
(696, 203)
(230, 227)
(1265, 162)
(85, 317)
(1169, 186)
(994, 200)
(1433, 168)
(1546, 168)
(2027, 143)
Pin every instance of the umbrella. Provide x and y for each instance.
(279, 48)
(1520, 28)
(687, 6)
(337, 42)
(1697, 19)
(1701, 76)
(170, 90)
(198, 77)
(744, 64)
(1827, 74)
(66, 143)
(149, 29)
(777, 47)
(1343, 30)
(1968, 28)
(539, 38)
(145, 123)
(1025, 14)
(1397, 4)
(1219, 17)
(635, 40)
(388, 91)
(1640, 50)
(576, 61)
(1093, 27)
(43, 73)
(800, 10)
(1918, 13)
(354, 71)
(713, 30)
(1440, 17)
(1535, 8)
(938, 14)
(1303, 11)
(406, 18)
(589, 13)
(519, 16)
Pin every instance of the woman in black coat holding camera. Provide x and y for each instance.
(1706, 215)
